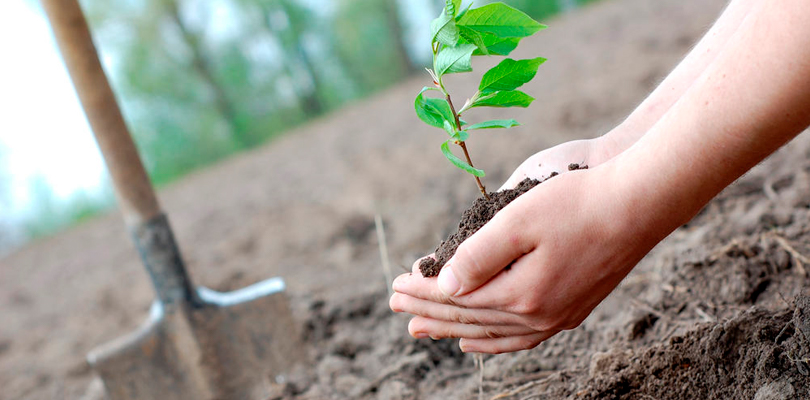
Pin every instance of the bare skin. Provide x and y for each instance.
(741, 94)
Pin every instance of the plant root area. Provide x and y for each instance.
(719, 310)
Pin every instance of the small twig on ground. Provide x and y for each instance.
(466, 372)
(521, 388)
(479, 361)
(770, 193)
(389, 278)
(704, 315)
(798, 257)
(519, 380)
(734, 244)
(646, 307)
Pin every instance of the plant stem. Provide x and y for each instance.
(477, 179)
(464, 145)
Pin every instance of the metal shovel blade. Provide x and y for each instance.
(201, 345)
(227, 349)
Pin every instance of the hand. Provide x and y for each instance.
(569, 241)
(590, 152)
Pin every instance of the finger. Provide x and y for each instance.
(421, 327)
(444, 312)
(414, 285)
(486, 253)
(504, 345)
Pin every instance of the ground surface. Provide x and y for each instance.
(710, 313)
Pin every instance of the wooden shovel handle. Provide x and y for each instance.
(138, 201)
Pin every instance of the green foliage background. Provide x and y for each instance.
(200, 80)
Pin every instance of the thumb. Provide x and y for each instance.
(483, 255)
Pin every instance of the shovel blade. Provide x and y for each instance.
(233, 347)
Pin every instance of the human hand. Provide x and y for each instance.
(542, 165)
(569, 242)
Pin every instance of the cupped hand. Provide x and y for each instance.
(540, 266)
(587, 152)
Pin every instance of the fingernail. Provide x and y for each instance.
(465, 347)
(421, 335)
(448, 283)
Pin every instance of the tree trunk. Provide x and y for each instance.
(202, 66)
(398, 37)
(310, 101)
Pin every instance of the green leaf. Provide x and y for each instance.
(459, 162)
(444, 30)
(497, 123)
(474, 37)
(464, 11)
(495, 45)
(509, 98)
(449, 128)
(454, 59)
(432, 111)
(509, 75)
(501, 20)
(462, 136)
(456, 4)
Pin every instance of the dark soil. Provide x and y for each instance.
(759, 355)
(481, 211)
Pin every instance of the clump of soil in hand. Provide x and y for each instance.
(477, 216)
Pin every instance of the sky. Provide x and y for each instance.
(43, 131)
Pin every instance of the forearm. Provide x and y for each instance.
(750, 101)
(680, 79)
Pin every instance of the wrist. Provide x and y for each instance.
(617, 140)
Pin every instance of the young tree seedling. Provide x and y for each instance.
(456, 36)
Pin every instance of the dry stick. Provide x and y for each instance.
(521, 388)
(389, 278)
(479, 359)
(528, 377)
(648, 308)
(464, 146)
(799, 257)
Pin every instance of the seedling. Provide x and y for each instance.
(456, 36)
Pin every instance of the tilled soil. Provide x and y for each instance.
(717, 310)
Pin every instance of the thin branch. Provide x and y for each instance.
(464, 146)
(389, 277)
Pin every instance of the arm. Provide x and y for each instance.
(752, 98)
(596, 151)
(680, 79)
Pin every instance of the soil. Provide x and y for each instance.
(718, 310)
(475, 217)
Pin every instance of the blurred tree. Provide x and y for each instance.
(364, 42)
(289, 21)
(200, 79)
(203, 66)
(398, 36)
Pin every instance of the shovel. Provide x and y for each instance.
(196, 343)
